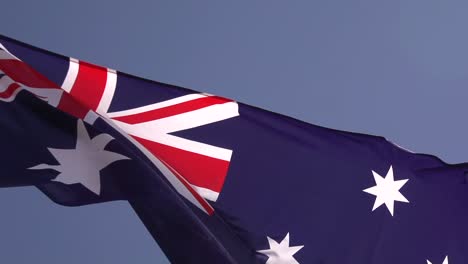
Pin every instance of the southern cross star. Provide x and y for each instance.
(445, 261)
(280, 253)
(387, 190)
(83, 163)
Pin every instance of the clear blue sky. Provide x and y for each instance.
(392, 68)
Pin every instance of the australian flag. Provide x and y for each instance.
(218, 181)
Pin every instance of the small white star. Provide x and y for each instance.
(387, 190)
(445, 261)
(83, 163)
(281, 253)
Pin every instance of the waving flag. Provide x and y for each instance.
(217, 181)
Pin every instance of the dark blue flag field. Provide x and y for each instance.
(218, 181)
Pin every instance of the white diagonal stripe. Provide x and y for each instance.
(206, 193)
(199, 117)
(108, 93)
(8, 55)
(157, 130)
(187, 120)
(155, 106)
(72, 73)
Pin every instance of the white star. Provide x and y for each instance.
(281, 253)
(445, 261)
(387, 190)
(83, 163)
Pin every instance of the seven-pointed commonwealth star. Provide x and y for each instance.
(387, 190)
(83, 163)
(445, 261)
(280, 253)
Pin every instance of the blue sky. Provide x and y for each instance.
(393, 68)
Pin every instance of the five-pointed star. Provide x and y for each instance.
(387, 190)
(83, 163)
(280, 253)
(445, 261)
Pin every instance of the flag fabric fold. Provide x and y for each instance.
(218, 181)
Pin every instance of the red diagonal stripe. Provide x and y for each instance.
(172, 110)
(89, 85)
(23, 73)
(199, 170)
